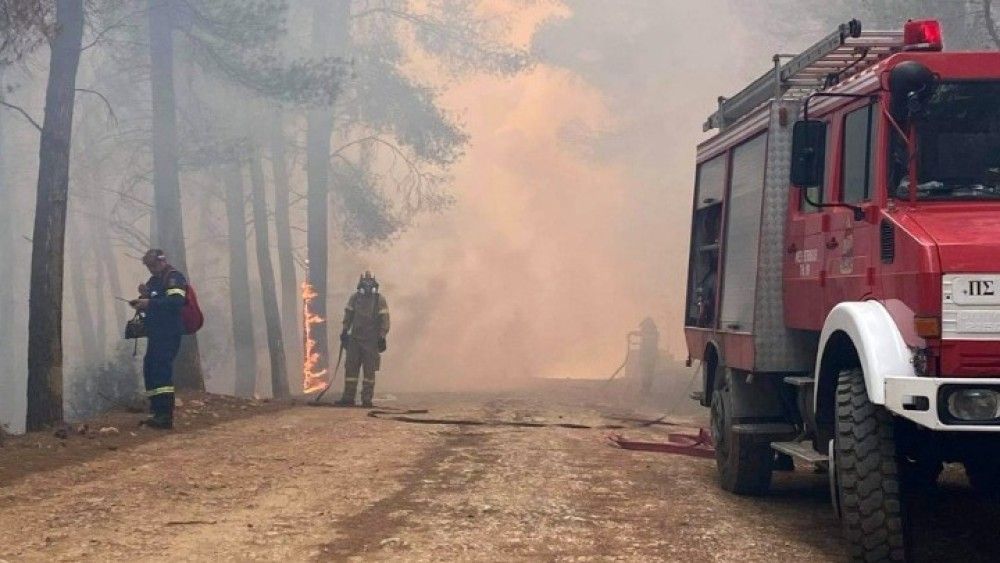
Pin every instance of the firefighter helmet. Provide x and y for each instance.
(367, 283)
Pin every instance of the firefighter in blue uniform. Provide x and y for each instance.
(160, 301)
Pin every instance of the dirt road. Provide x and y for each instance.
(331, 484)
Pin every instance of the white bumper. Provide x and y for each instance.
(900, 393)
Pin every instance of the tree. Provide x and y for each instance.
(45, 309)
(244, 351)
(330, 36)
(283, 237)
(169, 220)
(272, 317)
(387, 143)
(6, 239)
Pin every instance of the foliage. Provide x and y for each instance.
(24, 25)
(96, 389)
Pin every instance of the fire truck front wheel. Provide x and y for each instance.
(744, 466)
(868, 478)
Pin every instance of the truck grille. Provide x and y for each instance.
(887, 241)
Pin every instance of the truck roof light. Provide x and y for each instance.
(922, 35)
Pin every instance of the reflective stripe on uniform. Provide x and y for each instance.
(383, 311)
(354, 379)
(176, 291)
(160, 391)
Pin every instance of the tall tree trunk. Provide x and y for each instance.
(239, 285)
(81, 301)
(272, 318)
(6, 243)
(283, 241)
(166, 181)
(101, 297)
(45, 374)
(330, 36)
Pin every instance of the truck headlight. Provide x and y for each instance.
(974, 405)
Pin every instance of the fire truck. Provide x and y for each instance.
(844, 281)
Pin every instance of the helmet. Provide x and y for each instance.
(367, 283)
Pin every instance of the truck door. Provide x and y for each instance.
(805, 246)
(850, 243)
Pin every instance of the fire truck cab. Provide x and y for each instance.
(844, 280)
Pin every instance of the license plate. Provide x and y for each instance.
(976, 290)
(979, 322)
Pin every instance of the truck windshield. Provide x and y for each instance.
(958, 144)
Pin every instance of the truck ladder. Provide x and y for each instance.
(845, 52)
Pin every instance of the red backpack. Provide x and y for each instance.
(191, 315)
(192, 318)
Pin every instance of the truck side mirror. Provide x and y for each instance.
(808, 153)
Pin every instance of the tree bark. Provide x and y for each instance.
(283, 241)
(169, 229)
(272, 318)
(239, 285)
(45, 362)
(330, 36)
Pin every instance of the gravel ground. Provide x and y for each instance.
(291, 482)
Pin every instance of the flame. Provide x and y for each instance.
(312, 380)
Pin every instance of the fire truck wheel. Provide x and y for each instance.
(744, 465)
(868, 479)
(984, 476)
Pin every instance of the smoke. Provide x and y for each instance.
(572, 218)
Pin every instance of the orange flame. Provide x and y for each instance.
(312, 380)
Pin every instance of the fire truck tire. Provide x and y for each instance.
(744, 465)
(868, 477)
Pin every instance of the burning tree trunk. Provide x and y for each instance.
(169, 224)
(239, 285)
(283, 241)
(45, 377)
(272, 318)
(330, 36)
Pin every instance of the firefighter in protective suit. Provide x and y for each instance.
(366, 324)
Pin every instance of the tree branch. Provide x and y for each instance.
(23, 113)
(111, 112)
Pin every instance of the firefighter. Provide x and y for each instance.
(160, 301)
(649, 351)
(366, 324)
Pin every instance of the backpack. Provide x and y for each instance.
(191, 315)
(192, 319)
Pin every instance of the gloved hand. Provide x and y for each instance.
(344, 338)
(381, 345)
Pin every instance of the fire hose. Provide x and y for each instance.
(333, 376)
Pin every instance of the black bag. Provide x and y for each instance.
(135, 328)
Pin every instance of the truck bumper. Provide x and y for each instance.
(919, 399)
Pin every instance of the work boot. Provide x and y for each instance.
(367, 403)
(160, 422)
(344, 402)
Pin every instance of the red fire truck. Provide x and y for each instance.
(844, 282)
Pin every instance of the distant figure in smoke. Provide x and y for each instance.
(160, 300)
(649, 351)
(366, 324)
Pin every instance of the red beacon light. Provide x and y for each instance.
(922, 35)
